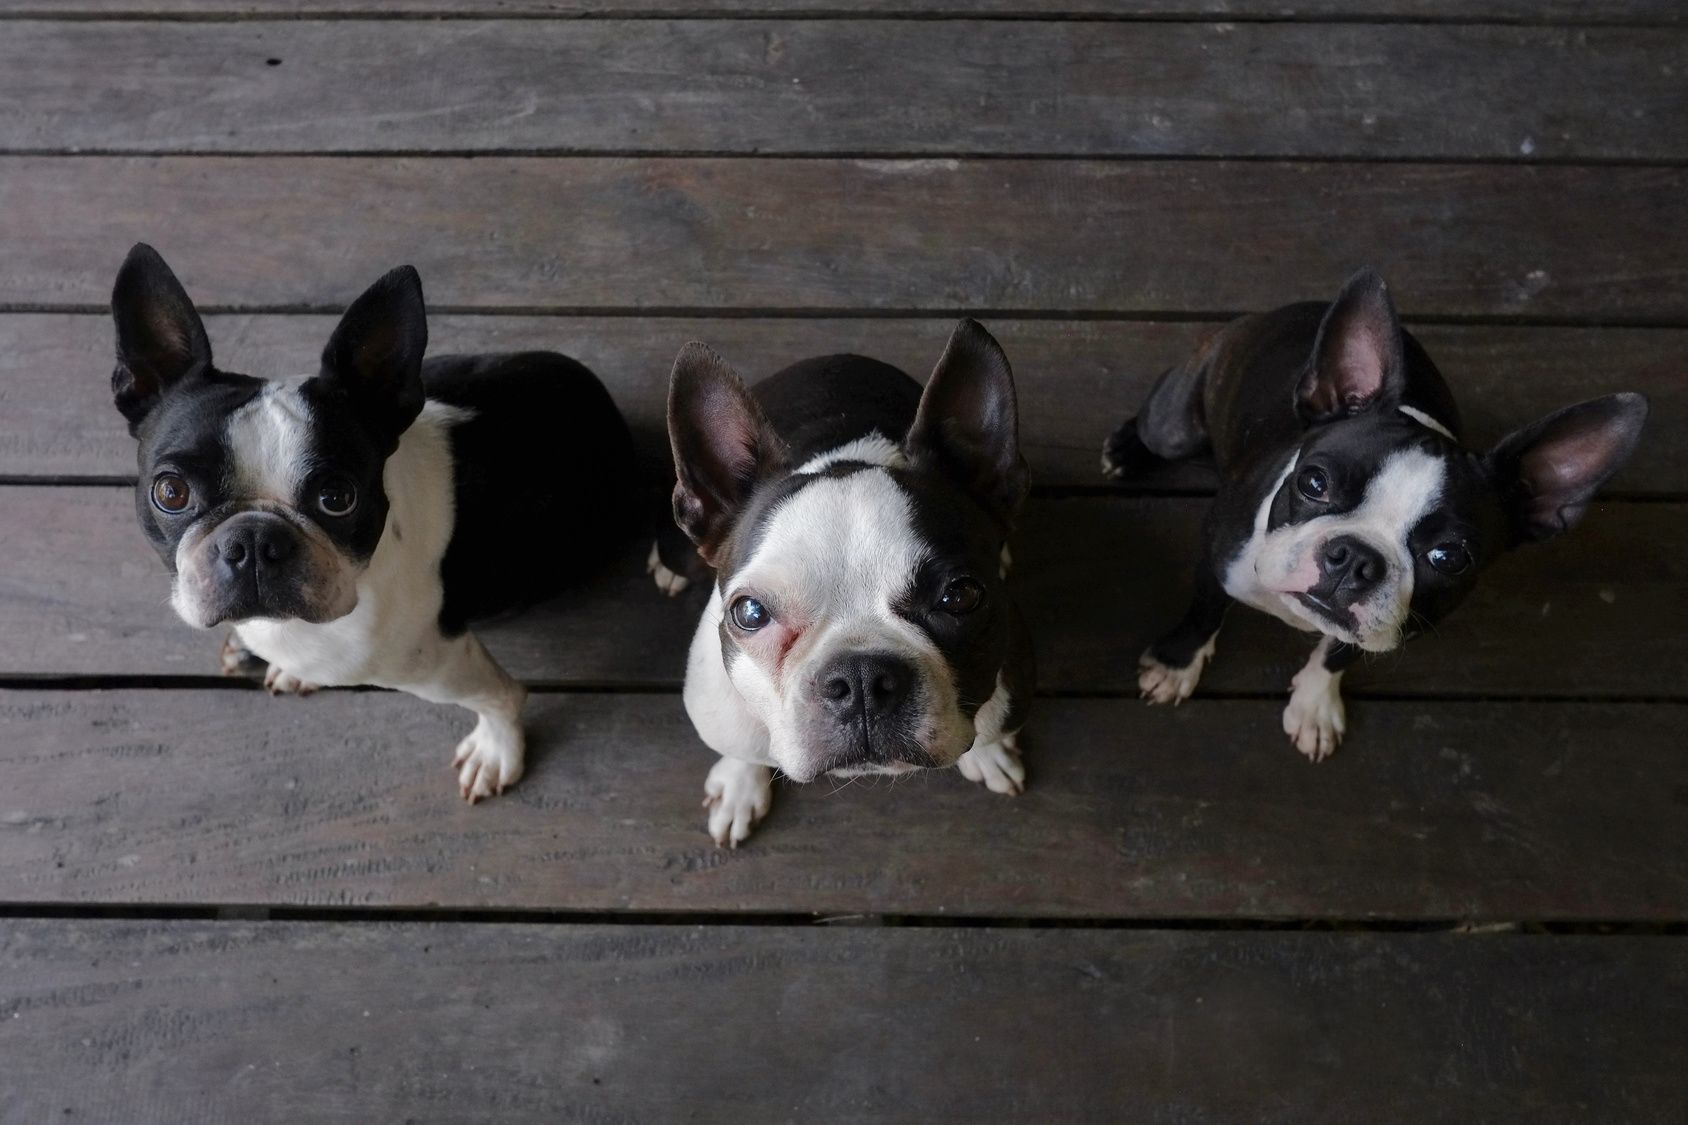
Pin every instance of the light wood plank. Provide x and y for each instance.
(847, 86)
(161, 1022)
(1602, 244)
(1077, 379)
(1479, 811)
(1098, 578)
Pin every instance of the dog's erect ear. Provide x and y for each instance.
(723, 446)
(1549, 472)
(967, 426)
(1357, 360)
(374, 356)
(160, 338)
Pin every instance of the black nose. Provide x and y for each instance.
(868, 685)
(1350, 568)
(255, 545)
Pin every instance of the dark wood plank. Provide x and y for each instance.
(150, 1021)
(1471, 240)
(1486, 811)
(848, 86)
(82, 593)
(1077, 378)
(1528, 11)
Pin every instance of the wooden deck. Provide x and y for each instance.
(215, 906)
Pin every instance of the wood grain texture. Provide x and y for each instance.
(1602, 244)
(1098, 578)
(1077, 379)
(166, 1022)
(850, 86)
(1433, 810)
(1528, 11)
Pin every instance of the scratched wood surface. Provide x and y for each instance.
(1077, 378)
(1103, 183)
(853, 86)
(1593, 244)
(1436, 810)
(1098, 579)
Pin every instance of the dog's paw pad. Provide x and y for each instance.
(488, 761)
(995, 765)
(737, 795)
(1315, 721)
(667, 580)
(278, 682)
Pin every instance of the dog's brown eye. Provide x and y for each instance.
(1449, 558)
(1313, 484)
(170, 494)
(337, 496)
(750, 615)
(961, 596)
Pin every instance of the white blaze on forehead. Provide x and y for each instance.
(1424, 419)
(267, 440)
(874, 448)
(840, 547)
(1406, 486)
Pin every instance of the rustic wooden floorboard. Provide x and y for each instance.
(1077, 379)
(850, 86)
(1591, 244)
(1464, 11)
(1475, 811)
(194, 1021)
(83, 594)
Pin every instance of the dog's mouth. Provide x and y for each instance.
(1326, 609)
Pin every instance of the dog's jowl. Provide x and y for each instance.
(1347, 505)
(859, 622)
(350, 524)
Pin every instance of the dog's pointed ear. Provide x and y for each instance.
(374, 357)
(967, 426)
(1548, 472)
(160, 338)
(723, 446)
(1358, 359)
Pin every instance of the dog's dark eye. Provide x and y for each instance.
(750, 615)
(961, 596)
(170, 494)
(337, 496)
(1313, 484)
(1449, 558)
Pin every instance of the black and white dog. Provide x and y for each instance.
(1347, 505)
(857, 527)
(350, 524)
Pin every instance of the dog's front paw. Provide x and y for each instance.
(667, 581)
(1315, 719)
(235, 659)
(737, 794)
(278, 682)
(995, 765)
(489, 761)
(1158, 683)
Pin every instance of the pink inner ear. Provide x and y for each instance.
(1360, 363)
(1565, 463)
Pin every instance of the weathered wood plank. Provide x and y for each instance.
(848, 86)
(1077, 378)
(1528, 11)
(1485, 811)
(1601, 243)
(166, 1021)
(82, 593)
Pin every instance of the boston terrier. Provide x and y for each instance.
(1347, 504)
(857, 527)
(350, 524)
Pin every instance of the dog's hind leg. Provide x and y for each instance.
(1169, 427)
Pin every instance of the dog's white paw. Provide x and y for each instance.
(489, 760)
(278, 682)
(737, 794)
(235, 659)
(666, 580)
(995, 765)
(1159, 684)
(1315, 719)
